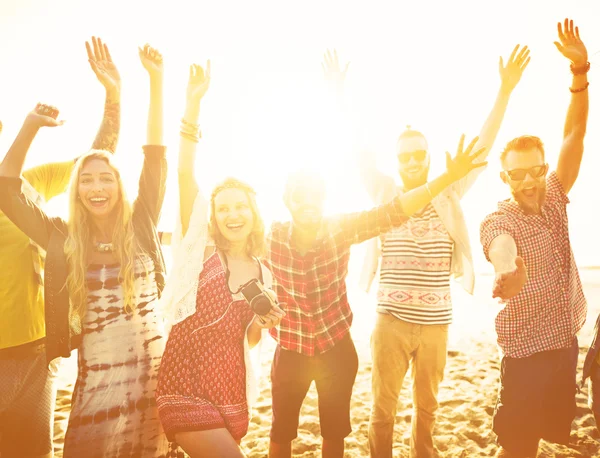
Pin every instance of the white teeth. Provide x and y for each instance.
(98, 199)
(234, 226)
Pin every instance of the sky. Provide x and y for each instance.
(430, 64)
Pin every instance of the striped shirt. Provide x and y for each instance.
(414, 284)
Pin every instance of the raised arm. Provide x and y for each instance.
(198, 84)
(571, 151)
(106, 71)
(510, 75)
(358, 227)
(41, 116)
(154, 170)
(153, 63)
(380, 187)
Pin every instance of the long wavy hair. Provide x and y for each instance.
(255, 246)
(79, 237)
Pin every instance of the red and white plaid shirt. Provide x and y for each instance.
(551, 307)
(311, 289)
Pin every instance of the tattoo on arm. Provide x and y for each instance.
(108, 134)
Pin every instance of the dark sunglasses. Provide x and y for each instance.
(419, 156)
(520, 174)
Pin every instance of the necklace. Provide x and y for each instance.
(103, 247)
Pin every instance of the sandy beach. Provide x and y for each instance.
(467, 395)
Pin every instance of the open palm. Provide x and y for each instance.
(332, 71)
(198, 82)
(570, 44)
(464, 161)
(102, 64)
(511, 73)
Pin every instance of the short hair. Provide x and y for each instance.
(410, 133)
(522, 144)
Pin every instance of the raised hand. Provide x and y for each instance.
(464, 161)
(570, 44)
(151, 60)
(43, 116)
(509, 284)
(198, 82)
(511, 73)
(103, 66)
(332, 71)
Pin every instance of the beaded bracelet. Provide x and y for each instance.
(581, 89)
(580, 70)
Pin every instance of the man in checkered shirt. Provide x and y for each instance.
(527, 241)
(309, 260)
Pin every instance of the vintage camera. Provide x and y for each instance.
(260, 302)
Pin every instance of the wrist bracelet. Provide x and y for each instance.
(581, 89)
(580, 70)
(194, 126)
(190, 137)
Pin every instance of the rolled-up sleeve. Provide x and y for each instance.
(491, 227)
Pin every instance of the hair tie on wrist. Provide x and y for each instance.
(581, 89)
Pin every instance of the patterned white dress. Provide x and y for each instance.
(113, 407)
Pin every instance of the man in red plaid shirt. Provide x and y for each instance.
(309, 260)
(527, 241)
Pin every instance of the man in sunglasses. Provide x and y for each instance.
(417, 260)
(527, 241)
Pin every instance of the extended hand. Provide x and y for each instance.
(511, 73)
(459, 166)
(103, 66)
(43, 116)
(509, 284)
(151, 60)
(334, 76)
(273, 318)
(571, 45)
(198, 82)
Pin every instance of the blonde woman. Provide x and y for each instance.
(205, 386)
(104, 273)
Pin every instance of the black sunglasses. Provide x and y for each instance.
(520, 174)
(419, 156)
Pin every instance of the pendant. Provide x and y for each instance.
(104, 247)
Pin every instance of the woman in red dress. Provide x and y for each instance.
(205, 380)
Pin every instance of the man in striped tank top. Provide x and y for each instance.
(417, 260)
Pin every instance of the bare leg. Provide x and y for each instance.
(333, 448)
(280, 450)
(213, 442)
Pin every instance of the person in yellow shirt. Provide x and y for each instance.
(27, 391)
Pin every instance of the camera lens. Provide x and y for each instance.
(261, 305)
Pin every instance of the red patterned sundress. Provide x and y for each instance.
(202, 376)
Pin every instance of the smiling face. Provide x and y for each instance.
(413, 161)
(98, 188)
(525, 173)
(233, 215)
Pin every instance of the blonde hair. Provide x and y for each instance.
(255, 246)
(79, 234)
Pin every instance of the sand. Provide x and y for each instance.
(467, 395)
